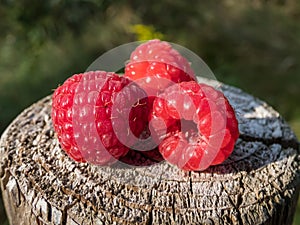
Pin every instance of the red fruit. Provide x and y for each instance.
(146, 147)
(195, 124)
(93, 114)
(155, 65)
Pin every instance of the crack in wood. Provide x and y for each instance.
(284, 143)
(260, 179)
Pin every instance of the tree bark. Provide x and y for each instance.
(258, 184)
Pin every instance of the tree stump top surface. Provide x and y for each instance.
(257, 184)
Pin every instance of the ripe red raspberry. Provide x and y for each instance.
(93, 114)
(155, 65)
(195, 124)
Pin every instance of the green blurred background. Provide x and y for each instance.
(254, 45)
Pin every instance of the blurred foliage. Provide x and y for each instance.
(254, 45)
(144, 32)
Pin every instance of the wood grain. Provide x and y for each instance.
(258, 184)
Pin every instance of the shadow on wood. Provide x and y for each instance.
(258, 184)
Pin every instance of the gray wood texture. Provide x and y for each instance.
(258, 184)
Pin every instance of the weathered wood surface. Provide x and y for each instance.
(258, 184)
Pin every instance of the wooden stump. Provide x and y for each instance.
(258, 184)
